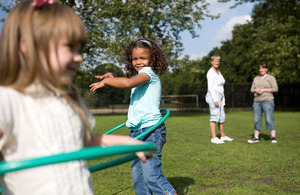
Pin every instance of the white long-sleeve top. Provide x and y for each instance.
(215, 83)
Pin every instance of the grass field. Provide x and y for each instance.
(195, 166)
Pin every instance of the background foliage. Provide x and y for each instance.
(273, 36)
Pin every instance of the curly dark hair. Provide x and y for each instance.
(158, 60)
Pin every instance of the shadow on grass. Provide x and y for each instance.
(121, 191)
(181, 184)
(263, 136)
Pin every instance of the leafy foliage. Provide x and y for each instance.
(272, 36)
(113, 24)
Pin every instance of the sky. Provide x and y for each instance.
(213, 32)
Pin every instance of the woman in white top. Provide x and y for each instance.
(216, 101)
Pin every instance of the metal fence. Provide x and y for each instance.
(192, 97)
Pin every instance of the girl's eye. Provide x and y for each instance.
(75, 48)
(71, 46)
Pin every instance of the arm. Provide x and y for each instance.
(106, 75)
(253, 89)
(274, 86)
(210, 84)
(111, 140)
(1, 156)
(121, 82)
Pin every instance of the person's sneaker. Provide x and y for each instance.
(216, 141)
(226, 138)
(253, 140)
(274, 140)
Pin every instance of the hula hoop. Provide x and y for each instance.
(149, 130)
(129, 157)
(88, 153)
(83, 154)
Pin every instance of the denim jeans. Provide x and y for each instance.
(148, 177)
(266, 107)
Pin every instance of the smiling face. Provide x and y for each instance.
(64, 59)
(215, 63)
(140, 58)
(263, 71)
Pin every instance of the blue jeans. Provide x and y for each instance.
(148, 177)
(266, 107)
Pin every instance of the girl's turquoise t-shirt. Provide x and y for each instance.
(144, 108)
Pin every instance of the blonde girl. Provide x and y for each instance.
(41, 112)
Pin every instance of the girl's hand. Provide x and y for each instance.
(112, 140)
(106, 75)
(143, 157)
(97, 85)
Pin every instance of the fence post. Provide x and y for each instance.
(232, 96)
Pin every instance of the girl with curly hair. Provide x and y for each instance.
(144, 62)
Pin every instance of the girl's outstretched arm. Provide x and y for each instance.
(121, 82)
(106, 75)
(111, 140)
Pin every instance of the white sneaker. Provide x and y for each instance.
(253, 140)
(216, 141)
(227, 139)
(274, 140)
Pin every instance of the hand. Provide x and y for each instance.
(216, 103)
(106, 75)
(97, 85)
(101, 84)
(143, 157)
(259, 91)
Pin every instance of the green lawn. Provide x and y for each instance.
(195, 166)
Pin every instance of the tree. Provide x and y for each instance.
(112, 24)
(272, 36)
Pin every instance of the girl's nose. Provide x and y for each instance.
(139, 61)
(78, 57)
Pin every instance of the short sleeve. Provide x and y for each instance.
(6, 114)
(150, 73)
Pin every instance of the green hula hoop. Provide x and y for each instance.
(149, 130)
(129, 157)
(83, 154)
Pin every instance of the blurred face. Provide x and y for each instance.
(215, 63)
(263, 71)
(140, 58)
(65, 60)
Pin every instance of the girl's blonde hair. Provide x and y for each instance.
(158, 60)
(35, 28)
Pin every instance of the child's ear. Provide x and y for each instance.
(23, 46)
